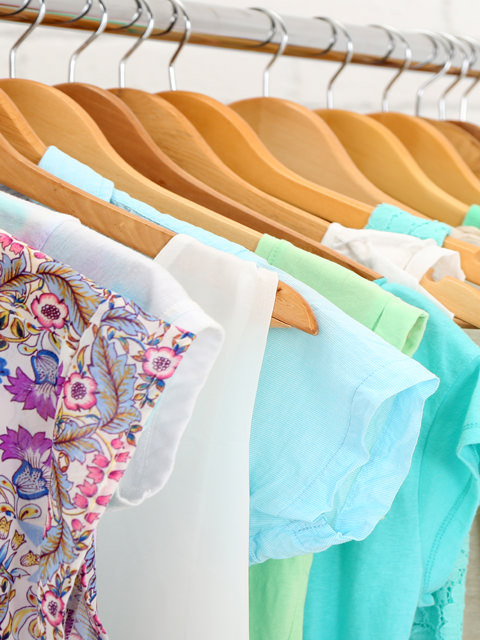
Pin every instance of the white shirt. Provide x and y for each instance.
(176, 567)
(401, 258)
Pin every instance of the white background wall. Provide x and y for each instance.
(229, 75)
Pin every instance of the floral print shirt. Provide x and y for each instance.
(81, 370)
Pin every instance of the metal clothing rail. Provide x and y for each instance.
(227, 27)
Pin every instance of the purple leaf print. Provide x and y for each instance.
(41, 393)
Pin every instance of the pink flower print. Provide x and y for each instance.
(79, 392)
(5, 240)
(101, 461)
(103, 500)
(98, 624)
(122, 457)
(50, 311)
(76, 523)
(52, 607)
(16, 247)
(95, 474)
(80, 501)
(117, 443)
(160, 363)
(91, 517)
(88, 489)
(115, 475)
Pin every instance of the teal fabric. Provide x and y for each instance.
(472, 219)
(386, 217)
(377, 588)
(336, 416)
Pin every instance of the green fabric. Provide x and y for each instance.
(278, 587)
(398, 323)
(472, 219)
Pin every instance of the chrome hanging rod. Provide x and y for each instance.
(227, 27)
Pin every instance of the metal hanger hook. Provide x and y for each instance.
(277, 23)
(474, 45)
(464, 69)
(336, 27)
(178, 7)
(12, 57)
(450, 51)
(407, 58)
(96, 34)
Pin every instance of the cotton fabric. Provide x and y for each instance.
(122, 269)
(404, 262)
(467, 234)
(187, 563)
(472, 217)
(386, 580)
(386, 217)
(314, 490)
(82, 369)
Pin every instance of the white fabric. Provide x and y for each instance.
(176, 567)
(467, 234)
(116, 267)
(400, 258)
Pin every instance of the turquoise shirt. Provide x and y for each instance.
(382, 586)
(336, 416)
(386, 217)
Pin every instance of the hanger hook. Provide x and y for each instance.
(178, 7)
(145, 35)
(277, 23)
(407, 58)
(473, 44)
(450, 51)
(100, 29)
(14, 50)
(337, 26)
(464, 69)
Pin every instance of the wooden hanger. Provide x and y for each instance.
(235, 142)
(385, 161)
(131, 140)
(473, 129)
(21, 174)
(179, 139)
(306, 145)
(459, 297)
(465, 144)
(436, 156)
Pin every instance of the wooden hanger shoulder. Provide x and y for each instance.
(131, 140)
(385, 161)
(307, 146)
(240, 148)
(459, 297)
(176, 135)
(465, 144)
(473, 129)
(435, 154)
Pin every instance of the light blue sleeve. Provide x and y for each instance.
(336, 417)
(386, 217)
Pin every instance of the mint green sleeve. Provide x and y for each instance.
(472, 218)
(397, 322)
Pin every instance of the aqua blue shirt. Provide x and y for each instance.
(386, 217)
(336, 416)
(378, 588)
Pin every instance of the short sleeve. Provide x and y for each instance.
(386, 217)
(472, 219)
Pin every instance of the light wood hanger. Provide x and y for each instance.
(473, 129)
(129, 138)
(235, 142)
(307, 146)
(465, 144)
(19, 171)
(382, 157)
(436, 156)
(179, 139)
